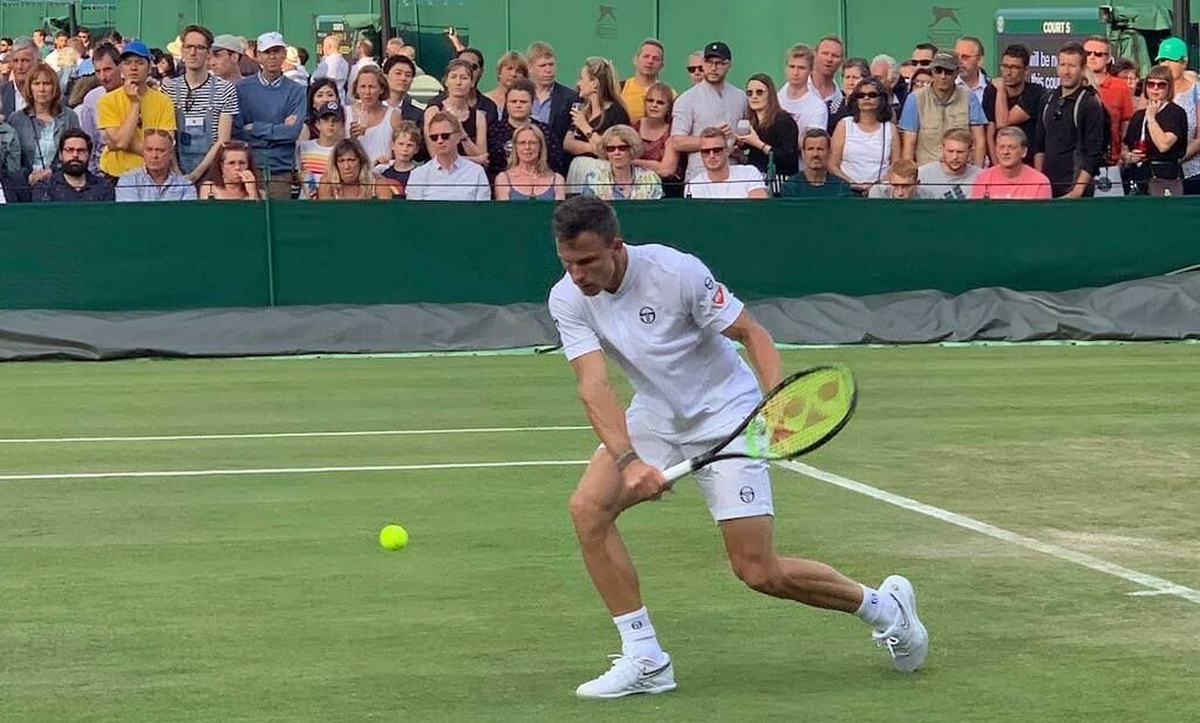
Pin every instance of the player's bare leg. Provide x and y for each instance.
(890, 611)
(642, 667)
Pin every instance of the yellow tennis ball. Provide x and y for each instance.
(393, 537)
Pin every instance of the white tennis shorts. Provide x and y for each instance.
(732, 488)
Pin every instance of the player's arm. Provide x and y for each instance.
(760, 347)
(608, 419)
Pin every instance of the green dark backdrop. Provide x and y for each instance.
(204, 255)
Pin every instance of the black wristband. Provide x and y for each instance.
(626, 459)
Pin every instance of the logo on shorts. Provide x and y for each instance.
(647, 315)
(747, 494)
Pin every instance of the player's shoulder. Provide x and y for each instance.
(660, 256)
(565, 292)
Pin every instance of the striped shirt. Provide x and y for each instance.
(195, 103)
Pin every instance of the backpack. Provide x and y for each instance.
(1084, 94)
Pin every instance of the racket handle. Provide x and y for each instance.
(677, 471)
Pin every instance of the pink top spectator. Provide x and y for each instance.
(992, 183)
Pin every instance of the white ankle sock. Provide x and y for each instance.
(637, 635)
(877, 610)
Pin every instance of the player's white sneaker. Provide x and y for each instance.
(906, 638)
(629, 675)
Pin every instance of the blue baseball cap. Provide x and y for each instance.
(136, 47)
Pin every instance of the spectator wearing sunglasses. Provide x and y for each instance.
(1156, 139)
(714, 103)
(654, 129)
(930, 112)
(867, 143)
(448, 176)
(772, 131)
(719, 179)
(695, 67)
(618, 179)
(1117, 100)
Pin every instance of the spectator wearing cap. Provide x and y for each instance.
(719, 179)
(1173, 55)
(72, 181)
(647, 64)
(205, 105)
(225, 58)
(41, 124)
(711, 104)
(106, 59)
(333, 64)
(930, 112)
(272, 116)
(156, 179)
(21, 60)
(970, 66)
(293, 66)
(815, 181)
(448, 176)
(553, 101)
(312, 156)
(1072, 132)
(125, 114)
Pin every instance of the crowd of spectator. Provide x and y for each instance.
(218, 117)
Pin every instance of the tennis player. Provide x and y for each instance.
(663, 317)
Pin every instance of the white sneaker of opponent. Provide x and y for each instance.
(629, 675)
(906, 638)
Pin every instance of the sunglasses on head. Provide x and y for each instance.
(440, 136)
(623, 147)
(695, 68)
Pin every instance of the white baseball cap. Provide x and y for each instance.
(266, 41)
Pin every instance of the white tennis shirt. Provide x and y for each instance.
(663, 328)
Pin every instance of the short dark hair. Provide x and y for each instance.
(582, 214)
(208, 36)
(62, 34)
(524, 85)
(107, 50)
(1018, 51)
(473, 51)
(815, 133)
(74, 133)
(395, 60)
(302, 56)
(114, 37)
(926, 46)
(1072, 48)
(82, 29)
(6, 40)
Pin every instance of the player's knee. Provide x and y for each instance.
(586, 511)
(759, 574)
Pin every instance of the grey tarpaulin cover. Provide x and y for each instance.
(1163, 307)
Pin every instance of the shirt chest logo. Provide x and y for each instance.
(647, 315)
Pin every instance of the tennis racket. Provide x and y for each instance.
(803, 412)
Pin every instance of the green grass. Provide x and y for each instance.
(266, 597)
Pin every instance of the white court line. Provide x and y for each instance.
(1156, 584)
(289, 470)
(287, 435)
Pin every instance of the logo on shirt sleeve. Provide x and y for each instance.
(719, 296)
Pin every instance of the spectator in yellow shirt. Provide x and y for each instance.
(648, 63)
(125, 114)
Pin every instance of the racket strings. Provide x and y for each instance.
(801, 414)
